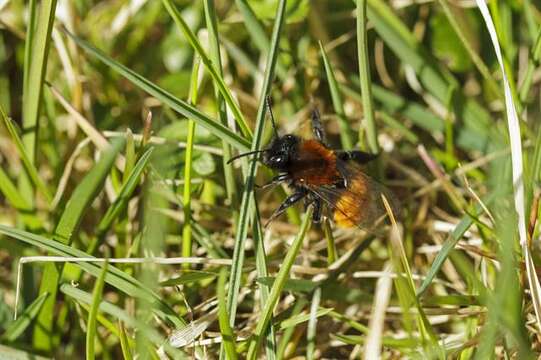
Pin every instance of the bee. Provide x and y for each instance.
(324, 177)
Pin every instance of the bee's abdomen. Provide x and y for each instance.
(353, 207)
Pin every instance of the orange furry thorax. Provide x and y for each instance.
(315, 164)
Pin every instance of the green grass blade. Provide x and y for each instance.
(312, 323)
(211, 68)
(247, 203)
(124, 343)
(17, 328)
(28, 48)
(115, 277)
(296, 286)
(127, 189)
(463, 226)
(533, 61)
(241, 57)
(476, 59)
(400, 127)
(130, 156)
(289, 331)
(223, 318)
(36, 54)
(16, 354)
(264, 289)
(167, 98)
(97, 295)
(14, 197)
(5, 91)
(85, 193)
(214, 43)
(11, 193)
(304, 317)
(66, 228)
(187, 190)
(364, 76)
(27, 161)
(278, 285)
(403, 43)
(257, 33)
(117, 312)
(405, 289)
(338, 104)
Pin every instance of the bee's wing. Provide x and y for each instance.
(359, 203)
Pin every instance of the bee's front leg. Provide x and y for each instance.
(275, 181)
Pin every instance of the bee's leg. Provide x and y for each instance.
(315, 201)
(275, 181)
(343, 183)
(288, 202)
(358, 156)
(317, 126)
(316, 215)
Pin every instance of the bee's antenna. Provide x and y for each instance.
(268, 101)
(245, 154)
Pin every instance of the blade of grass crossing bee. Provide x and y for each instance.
(247, 203)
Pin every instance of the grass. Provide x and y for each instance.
(139, 238)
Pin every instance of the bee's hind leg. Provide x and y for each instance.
(316, 203)
(358, 156)
(316, 215)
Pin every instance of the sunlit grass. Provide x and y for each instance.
(139, 239)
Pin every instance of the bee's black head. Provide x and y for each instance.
(280, 152)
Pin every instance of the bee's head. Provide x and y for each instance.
(280, 152)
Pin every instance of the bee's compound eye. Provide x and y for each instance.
(277, 159)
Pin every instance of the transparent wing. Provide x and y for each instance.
(359, 203)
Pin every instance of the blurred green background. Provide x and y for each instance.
(86, 171)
